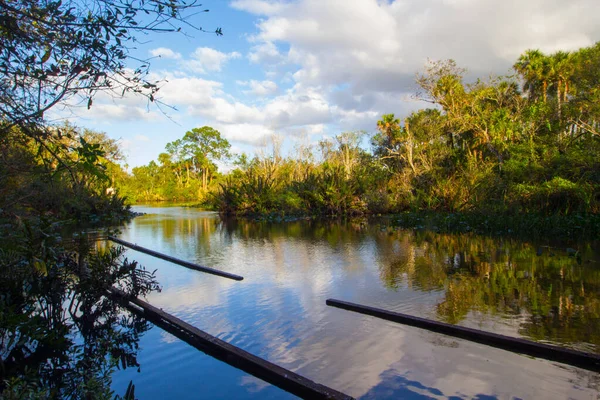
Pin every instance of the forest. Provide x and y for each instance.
(521, 143)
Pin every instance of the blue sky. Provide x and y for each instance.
(306, 69)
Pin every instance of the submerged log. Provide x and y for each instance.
(174, 260)
(228, 353)
(576, 358)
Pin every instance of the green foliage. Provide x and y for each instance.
(66, 176)
(273, 185)
(53, 289)
(556, 195)
(187, 171)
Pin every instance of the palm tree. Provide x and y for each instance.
(560, 71)
(533, 66)
(389, 125)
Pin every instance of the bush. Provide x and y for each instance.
(558, 195)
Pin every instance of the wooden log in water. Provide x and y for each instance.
(230, 354)
(174, 260)
(576, 358)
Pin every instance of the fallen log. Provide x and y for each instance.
(174, 260)
(228, 353)
(576, 358)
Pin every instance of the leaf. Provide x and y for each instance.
(130, 392)
(40, 266)
(89, 103)
(47, 55)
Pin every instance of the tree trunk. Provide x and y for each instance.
(187, 168)
(409, 148)
(178, 175)
(559, 100)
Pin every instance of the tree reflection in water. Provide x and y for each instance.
(554, 294)
(60, 336)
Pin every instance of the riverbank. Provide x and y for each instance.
(532, 225)
(574, 226)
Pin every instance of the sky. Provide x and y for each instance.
(308, 69)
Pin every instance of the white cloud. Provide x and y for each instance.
(259, 7)
(377, 47)
(259, 88)
(205, 59)
(347, 65)
(164, 52)
(265, 53)
(206, 98)
(247, 133)
(300, 106)
(296, 110)
(118, 112)
(187, 90)
(397, 37)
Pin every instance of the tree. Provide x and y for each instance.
(205, 146)
(561, 67)
(483, 114)
(56, 52)
(585, 100)
(349, 150)
(385, 142)
(534, 68)
(425, 134)
(394, 141)
(389, 125)
(177, 154)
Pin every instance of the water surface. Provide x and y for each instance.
(548, 292)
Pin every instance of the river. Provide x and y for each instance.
(544, 291)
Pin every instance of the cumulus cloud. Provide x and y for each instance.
(379, 41)
(119, 112)
(259, 88)
(298, 109)
(349, 64)
(249, 133)
(206, 98)
(186, 90)
(265, 53)
(164, 52)
(373, 49)
(124, 109)
(205, 59)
